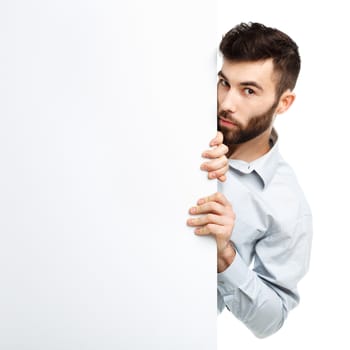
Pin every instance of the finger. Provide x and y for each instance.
(206, 208)
(218, 174)
(222, 178)
(217, 140)
(211, 229)
(216, 152)
(207, 219)
(215, 164)
(216, 197)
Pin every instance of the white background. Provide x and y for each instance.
(105, 109)
(314, 136)
(45, 158)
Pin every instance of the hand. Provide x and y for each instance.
(218, 165)
(216, 218)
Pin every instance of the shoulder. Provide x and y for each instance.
(289, 204)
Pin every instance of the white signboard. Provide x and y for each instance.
(105, 110)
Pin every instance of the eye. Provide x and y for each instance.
(248, 91)
(223, 82)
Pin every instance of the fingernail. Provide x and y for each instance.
(193, 210)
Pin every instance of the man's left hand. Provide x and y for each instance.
(217, 166)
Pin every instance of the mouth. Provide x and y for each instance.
(226, 122)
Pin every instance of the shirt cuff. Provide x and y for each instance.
(235, 276)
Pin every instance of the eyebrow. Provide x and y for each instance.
(243, 83)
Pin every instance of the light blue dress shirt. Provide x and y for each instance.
(272, 236)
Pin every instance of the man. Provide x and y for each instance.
(260, 219)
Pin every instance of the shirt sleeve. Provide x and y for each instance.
(261, 297)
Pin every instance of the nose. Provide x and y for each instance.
(227, 100)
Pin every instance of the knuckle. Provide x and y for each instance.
(223, 160)
(220, 196)
(210, 218)
(221, 171)
(222, 149)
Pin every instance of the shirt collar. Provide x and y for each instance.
(265, 166)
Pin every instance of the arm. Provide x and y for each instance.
(262, 297)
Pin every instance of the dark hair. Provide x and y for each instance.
(254, 42)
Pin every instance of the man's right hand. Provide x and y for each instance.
(213, 215)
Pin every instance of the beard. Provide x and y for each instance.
(257, 125)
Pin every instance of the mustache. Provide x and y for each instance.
(226, 115)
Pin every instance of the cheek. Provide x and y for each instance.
(245, 110)
(256, 108)
(220, 96)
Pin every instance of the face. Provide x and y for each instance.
(246, 100)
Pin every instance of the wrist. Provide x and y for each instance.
(226, 256)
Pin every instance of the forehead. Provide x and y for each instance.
(261, 72)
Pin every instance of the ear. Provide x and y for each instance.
(286, 100)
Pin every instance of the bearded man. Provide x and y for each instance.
(259, 217)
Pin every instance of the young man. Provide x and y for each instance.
(260, 219)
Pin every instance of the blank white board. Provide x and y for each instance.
(105, 109)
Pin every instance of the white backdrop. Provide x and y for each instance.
(105, 109)
(78, 172)
(313, 138)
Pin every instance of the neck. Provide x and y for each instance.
(252, 149)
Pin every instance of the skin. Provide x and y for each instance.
(247, 107)
(217, 166)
